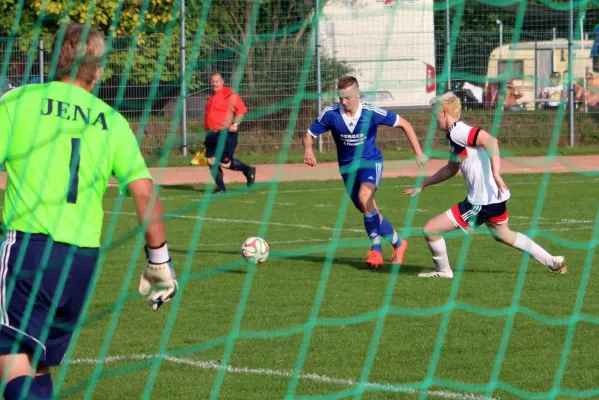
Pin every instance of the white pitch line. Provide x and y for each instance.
(575, 221)
(579, 228)
(303, 241)
(201, 194)
(243, 221)
(231, 244)
(557, 221)
(280, 204)
(525, 217)
(210, 365)
(327, 228)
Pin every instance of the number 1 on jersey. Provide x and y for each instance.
(74, 171)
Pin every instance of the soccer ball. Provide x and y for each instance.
(254, 250)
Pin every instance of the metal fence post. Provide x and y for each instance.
(182, 60)
(317, 56)
(41, 60)
(571, 82)
(447, 44)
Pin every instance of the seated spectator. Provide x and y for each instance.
(554, 93)
(512, 95)
(580, 96)
(589, 96)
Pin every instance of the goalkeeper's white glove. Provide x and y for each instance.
(158, 278)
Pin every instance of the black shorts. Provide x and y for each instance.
(32, 286)
(467, 215)
(211, 143)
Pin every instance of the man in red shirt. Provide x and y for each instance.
(224, 113)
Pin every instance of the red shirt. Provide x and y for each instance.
(220, 109)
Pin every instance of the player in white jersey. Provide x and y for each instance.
(487, 193)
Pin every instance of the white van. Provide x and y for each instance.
(389, 43)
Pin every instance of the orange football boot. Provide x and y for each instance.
(398, 253)
(374, 259)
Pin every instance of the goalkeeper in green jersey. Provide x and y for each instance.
(60, 145)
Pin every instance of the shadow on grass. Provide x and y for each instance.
(233, 190)
(353, 262)
(183, 188)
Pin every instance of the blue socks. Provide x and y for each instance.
(372, 224)
(387, 231)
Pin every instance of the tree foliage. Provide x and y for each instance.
(227, 28)
(539, 15)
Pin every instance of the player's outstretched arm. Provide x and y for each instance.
(309, 158)
(491, 145)
(445, 173)
(158, 278)
(142, 190)
(408, 129)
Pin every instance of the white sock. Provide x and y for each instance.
(526, 244)
(395, 238)
(439, 252)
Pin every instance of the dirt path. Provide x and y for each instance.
(328, 171)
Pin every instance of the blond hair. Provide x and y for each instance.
(87, 60)
(451, 103)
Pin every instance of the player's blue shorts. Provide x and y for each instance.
(466, 215)
(211, 143)
(21, 263)
(371, 174)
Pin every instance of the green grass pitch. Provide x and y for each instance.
(339, 321)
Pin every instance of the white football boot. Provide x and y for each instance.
(436, 274)
(559, 265)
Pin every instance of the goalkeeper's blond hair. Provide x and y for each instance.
(85, 57)
(451, 103)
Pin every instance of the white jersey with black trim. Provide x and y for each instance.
(475, 165)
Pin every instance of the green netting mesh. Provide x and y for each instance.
(284, 58)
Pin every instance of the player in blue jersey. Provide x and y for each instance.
(353, 125)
